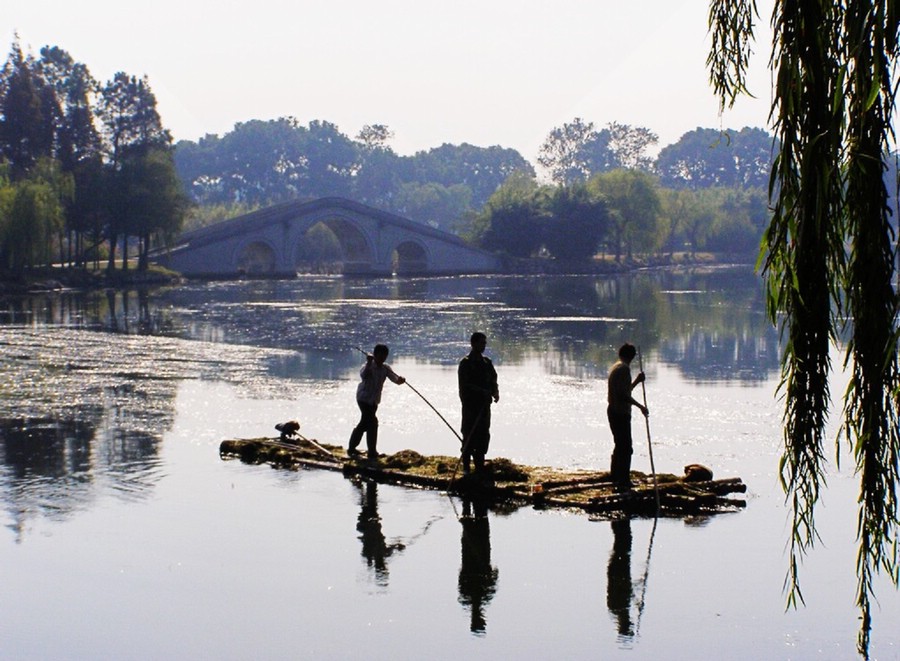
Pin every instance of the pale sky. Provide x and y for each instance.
(485, 72)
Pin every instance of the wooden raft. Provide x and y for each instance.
(502, 480)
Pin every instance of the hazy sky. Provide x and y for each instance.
(486, 72)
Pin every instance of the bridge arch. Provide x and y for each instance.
(409, 258)
(256, 258)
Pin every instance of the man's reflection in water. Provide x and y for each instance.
(375, 548)
(619, 587)
(477, 578)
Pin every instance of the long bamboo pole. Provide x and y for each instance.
(647, 421)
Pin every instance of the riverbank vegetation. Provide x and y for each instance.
(89, 177)
(84, 167)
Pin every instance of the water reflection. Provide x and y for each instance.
(477, 577)
(52, 467)
(375, 548)
(625, 597)
(710, 323)
(619, 586)
(80, 413)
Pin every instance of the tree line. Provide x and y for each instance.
(87, 169)
(705, 192)
(84, 165)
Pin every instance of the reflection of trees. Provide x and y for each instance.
(710, 323)
(477, 577)
(111, 310)
(53, 466)
(375, 548)
(79, 413)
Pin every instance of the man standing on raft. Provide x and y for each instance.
(368, 396)
(618, 411)
(477, 387)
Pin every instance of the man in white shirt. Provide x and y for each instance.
(368, 396)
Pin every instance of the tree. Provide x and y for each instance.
(155, 198)
(564, 151)
(629, 145)
(78, 144)
(375, 137)
(25, 129)
(331, 159)
(482, 169)
(132, 129)
(514, 220)
(708, 157)
(634, 208)
(579, 220)
(432, 203)
(830, 253)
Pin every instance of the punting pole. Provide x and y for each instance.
(644, 579)
(647, 421)
(317, 446)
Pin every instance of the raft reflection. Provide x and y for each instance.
(477, 577)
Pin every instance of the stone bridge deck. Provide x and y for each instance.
(273, 241)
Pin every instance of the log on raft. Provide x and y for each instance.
(589, 491)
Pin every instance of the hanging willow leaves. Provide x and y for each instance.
(829, 255)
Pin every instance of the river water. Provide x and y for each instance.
(126, 536)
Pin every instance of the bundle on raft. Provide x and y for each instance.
(502, 480)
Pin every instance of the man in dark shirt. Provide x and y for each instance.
(618, 411)
(477, 388)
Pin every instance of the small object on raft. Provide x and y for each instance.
(697, 473)
(288, 429)
(502, 480)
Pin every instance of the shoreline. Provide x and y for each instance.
(52, 279)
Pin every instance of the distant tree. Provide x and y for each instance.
(634, 208)
(514, 219)
(375, 136)
(132, 129)
(331, 159)
(579, 220)
(704, 158)
(156, 201)
(564, 152)
(26, 130)
(629, 146)
(517, 228)
(741, 221)
(379, 178)
(260, 163)
(433, 204)
(482, 169)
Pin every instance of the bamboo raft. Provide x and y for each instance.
(502, 480)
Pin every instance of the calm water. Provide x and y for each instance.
(126, 536)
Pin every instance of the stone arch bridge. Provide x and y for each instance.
(268, 242)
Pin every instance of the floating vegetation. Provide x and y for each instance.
(506, 481)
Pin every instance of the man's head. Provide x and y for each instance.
(627, 352)
(478, 342)
(380, 353)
